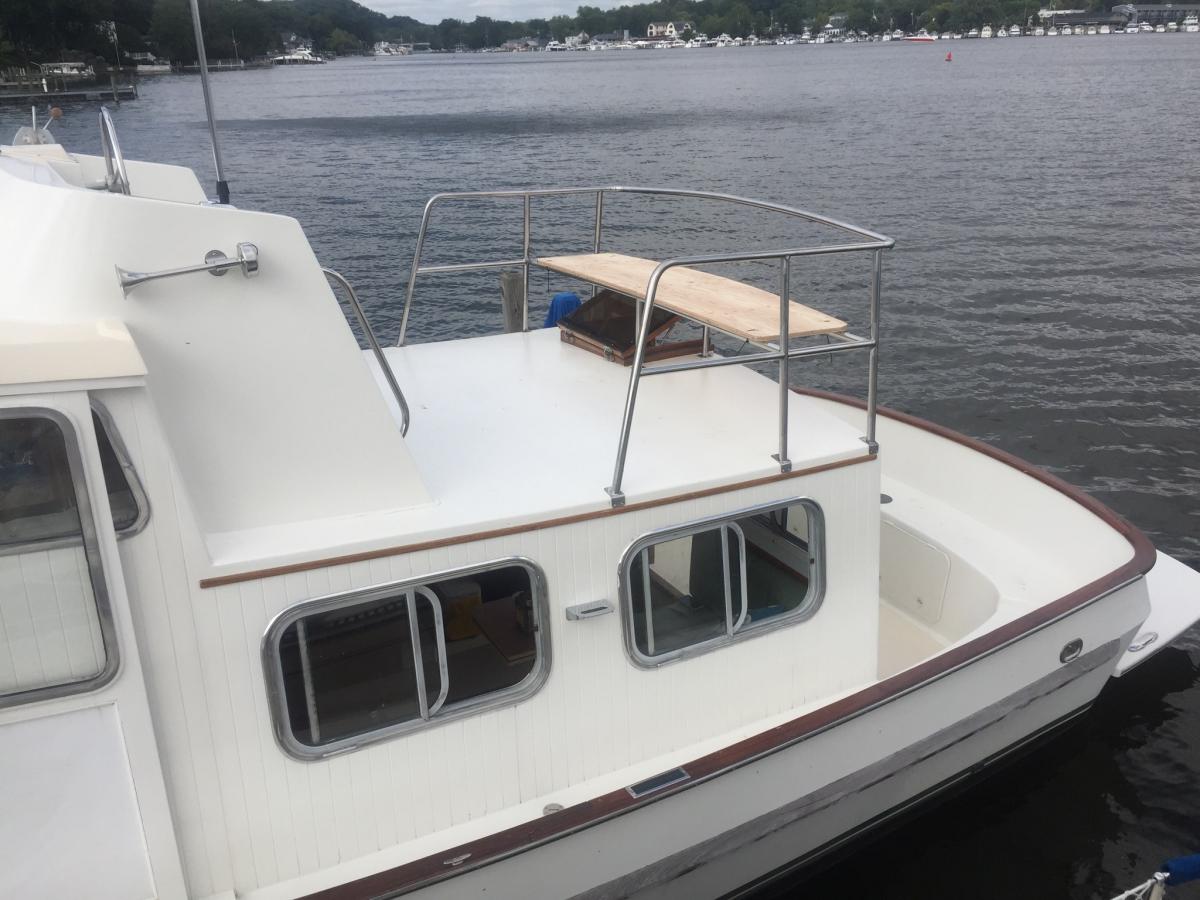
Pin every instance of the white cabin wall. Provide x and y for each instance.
(249, 816)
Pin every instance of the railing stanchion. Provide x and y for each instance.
(873, 365)
(525, 270)
(635, 374)
(412, 275)
(599, 227)
(785, 346)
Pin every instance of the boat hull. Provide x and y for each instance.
(769, 815)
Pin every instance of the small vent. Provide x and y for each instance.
(657, 783)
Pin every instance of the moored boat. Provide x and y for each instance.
(286, 617)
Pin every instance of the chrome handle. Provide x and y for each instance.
(215, 263)
(443, 665)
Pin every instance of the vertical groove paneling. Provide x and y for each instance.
(249, 816)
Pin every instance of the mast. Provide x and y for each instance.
(222, 184)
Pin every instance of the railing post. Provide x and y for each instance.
(785, 290)
(412, 275)
(635, 374)
(873, 367)
(525, 270)
(599, 227)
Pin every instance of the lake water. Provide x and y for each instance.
(1043, 296)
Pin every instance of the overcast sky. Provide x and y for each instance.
(433, 11)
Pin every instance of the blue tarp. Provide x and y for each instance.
(563, 304)
(1182, 869)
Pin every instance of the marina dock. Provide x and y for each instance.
(76, 94)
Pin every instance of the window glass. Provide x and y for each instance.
(377, 660)
(37, 500)
(121, 497)
(50, 627)
(716, 582)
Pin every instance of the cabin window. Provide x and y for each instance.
(364, 666)
(56, 522)
(694, 587)
(126, 498)
(56, 633)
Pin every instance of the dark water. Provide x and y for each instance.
(1045, 197)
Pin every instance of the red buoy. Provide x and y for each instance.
(949, 57)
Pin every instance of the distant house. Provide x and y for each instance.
(668, 29)
(611, 37)
(577, 40)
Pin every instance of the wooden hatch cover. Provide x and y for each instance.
(730, 306)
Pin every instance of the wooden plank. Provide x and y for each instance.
(741, 310)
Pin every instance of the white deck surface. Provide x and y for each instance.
(520, 428)
(525, 423)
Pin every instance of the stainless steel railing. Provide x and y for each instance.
(868, 242)
(373, 342)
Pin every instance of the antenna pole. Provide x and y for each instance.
(222, 184)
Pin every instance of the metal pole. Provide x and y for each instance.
(525, 270)
(599, 227)
(412, 275)
(222, 184)
(873, 368)
(384, 369)
(635, 374)
(785, 290)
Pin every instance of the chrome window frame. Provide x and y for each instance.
(806, 610)
(95, 566)
(140, 498)
(517, 693)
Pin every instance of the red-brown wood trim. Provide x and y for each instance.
(523, 837)
(218, 580)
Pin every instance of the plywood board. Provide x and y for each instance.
(733, 307)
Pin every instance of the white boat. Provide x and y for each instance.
(1104, 29)
(1091, 29)
(1172, 27)
(284, 617)
(1191, 24)
(986, 31)
(1131, 28)
(1039, 31)
(1146, 28)
(302, 56)
(973, 33)
(1014, 31)
(1160, 29)
(1001, 32)
(921, 37)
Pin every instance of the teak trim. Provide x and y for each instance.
(308, 565)
(511, 841)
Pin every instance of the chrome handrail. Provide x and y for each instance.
(869, 241)
(114, 161)
(388, 375)
(599, 191)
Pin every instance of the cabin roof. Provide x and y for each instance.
(39, 352)
(514, 429)
(527, 425)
